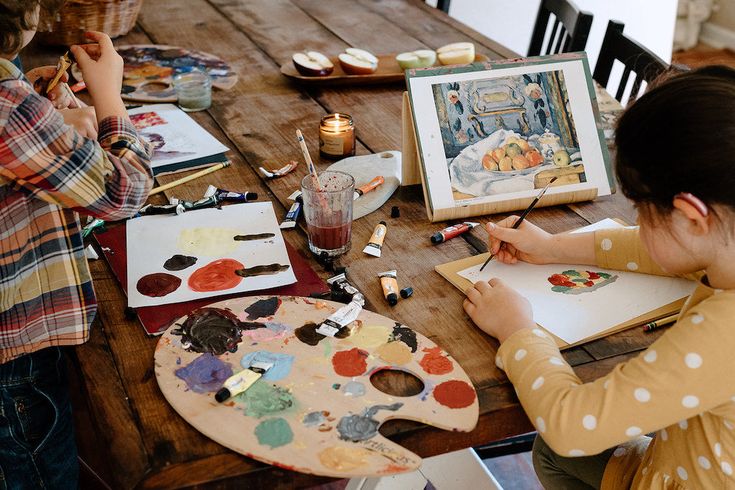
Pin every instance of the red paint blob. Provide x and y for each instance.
(157, 284)
(350, 362)
(434, 362)
(216, 276)
(454, 394)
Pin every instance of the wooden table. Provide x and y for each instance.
(127, 432)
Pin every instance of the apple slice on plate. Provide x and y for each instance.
(456, 54)
(312, 64)
(421, 58)
(358, 62)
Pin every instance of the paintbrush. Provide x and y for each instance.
(523, 216)
(61, 68)
(189, 178)
(309, 163)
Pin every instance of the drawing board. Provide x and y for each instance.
(205, 253)
(316, 411)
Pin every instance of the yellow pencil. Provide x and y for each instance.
(650, 326)
(189, 178)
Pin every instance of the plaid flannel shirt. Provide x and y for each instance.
(48, 174)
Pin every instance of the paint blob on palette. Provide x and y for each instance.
(316, 410)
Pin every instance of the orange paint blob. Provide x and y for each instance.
(434, 362)
(216, 276)
(454, 394)
(350, 362)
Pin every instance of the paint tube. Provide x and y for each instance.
(237, 383)
(292, 216)
(452, 231)
(203, 203)
(91, 226)
(229, 196)
(272, 174)
(370, 186)
(342, 290)
(151, 209)
(343, 317)
(389, 282)
(376, 241)
(295, 195)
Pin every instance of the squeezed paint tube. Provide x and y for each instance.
(295, 195)
(151, 209)
(452, 231)
(341, 287)
(370, 186)
(205, 202)
(343, 317)
(239, 382)
(292, 216)
(91, 226)
(223, 195)
(390, 286)
(272, 174)
(376, 241)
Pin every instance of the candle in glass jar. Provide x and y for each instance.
(336, 136)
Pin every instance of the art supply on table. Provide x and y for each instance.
(315, 410)
(90, 253)
(240, 382)
(452, 231)
(661, 322)
(389, 283)
(178, 142)
(406, 292)
(395, 212)
(203, 203)
(294, 195)
(292, 215)
(91, 226)
(317, 186)
(370, 186)
(224, 195)
(375, 245)
(156, 209)
(328, 212)
(339, 321)
(286, 169)
(336, 136)
(341, 289)
(523, 216)
(78, 87)
(61, 68)
(193, 90)
(189, 178)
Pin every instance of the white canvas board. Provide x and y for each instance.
(484, 98)
(208, 235)
(575, 317)
(175, 136)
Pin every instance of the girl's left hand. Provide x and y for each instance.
(497, 309)
(60, 97)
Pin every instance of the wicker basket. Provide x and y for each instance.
(67, 27)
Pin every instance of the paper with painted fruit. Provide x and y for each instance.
(577, 302)
(205, 253)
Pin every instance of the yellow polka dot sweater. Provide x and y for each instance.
(681, 388)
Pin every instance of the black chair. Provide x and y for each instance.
(638, 61)
(569, 32)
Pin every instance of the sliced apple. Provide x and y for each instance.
(312, 64)
(421, 58)
(456, 54)
(358, 62)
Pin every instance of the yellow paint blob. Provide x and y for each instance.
(370, 336)
(212, 242)
(395, 353)
(341, 458)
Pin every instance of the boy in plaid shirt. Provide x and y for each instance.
(54, 165)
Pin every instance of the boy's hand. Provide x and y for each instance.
(102, 67)
(498, 309)
(528, 243)
(60, 96)
(84, 121)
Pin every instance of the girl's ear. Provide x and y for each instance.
(694, 210)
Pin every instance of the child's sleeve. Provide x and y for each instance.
(621, 249)
(42, 156)
(685, 372)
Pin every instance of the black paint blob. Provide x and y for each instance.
(405, 335)
(211, 330)
(263, 308)
(179, 262)
(262, 270)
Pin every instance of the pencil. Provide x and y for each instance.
(189, 178)
(523, 216)
(651, 326)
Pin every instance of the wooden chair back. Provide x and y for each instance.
(569, 32)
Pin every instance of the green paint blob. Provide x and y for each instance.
(274, 432)
(264, 398)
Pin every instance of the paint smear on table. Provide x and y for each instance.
(274, 432)
(394, 353)
(281, 363)
(212, 242)
(263, 308)
(454, 394)
(405, 335)
(258, 236)
(370, 336)
(179, 262)
(205, 374)
(350, 363)
(262, 270)
(263, 399)
(157, 284)
(434, 362)
(218, 275)
(342, 458)
(361, 427)
(210, 330)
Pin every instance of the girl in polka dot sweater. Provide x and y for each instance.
(675, 159)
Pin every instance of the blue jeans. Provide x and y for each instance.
(37, 446)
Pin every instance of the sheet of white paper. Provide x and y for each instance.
(208, 235)
(574, 317)
(175, 136)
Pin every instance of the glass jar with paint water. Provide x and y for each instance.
(194, 90)
(328, 213)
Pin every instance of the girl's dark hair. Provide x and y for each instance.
(17, 16)
(680, 137)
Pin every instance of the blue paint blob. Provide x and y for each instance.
(281, 363)
(205, 374)
(353, 388)
(313, 419)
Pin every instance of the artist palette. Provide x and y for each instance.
(316, 410)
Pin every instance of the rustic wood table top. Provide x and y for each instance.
(128, 434)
